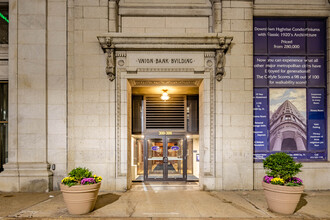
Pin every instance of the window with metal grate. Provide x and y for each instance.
(165, 115)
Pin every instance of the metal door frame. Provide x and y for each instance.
(165, 157)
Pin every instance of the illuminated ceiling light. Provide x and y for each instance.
(4, 17)
(165, 96)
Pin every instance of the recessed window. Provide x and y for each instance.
(4, 23)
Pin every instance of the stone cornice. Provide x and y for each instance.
(3, 51)
(112, 42)
(211, 41)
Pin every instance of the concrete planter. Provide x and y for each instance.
(282, 199)
(80, 199)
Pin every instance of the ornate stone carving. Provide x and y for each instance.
(219, 65)
(110, 69)
(220, 57)
(108, 48)
(209, 63)
(121, 62)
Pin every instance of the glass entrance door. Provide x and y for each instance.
(166, 158)
(154, 168)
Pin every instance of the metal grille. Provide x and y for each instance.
(165, 115)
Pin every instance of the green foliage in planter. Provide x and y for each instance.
(81, 176)
(281, 165)
(80, 173)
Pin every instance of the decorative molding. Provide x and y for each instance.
(118, 124)
(209, 41)
(183, 82)
(165, 69)
(209, 54)
(212, 123)
(121, 53)
(121, 62)
(199, 72)
(209, 63)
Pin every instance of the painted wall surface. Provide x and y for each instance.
(63, 109)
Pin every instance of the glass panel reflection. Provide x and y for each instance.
(155, 158)
(175, 157)
(3, 124)
(137, 167)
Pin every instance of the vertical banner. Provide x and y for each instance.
(290, 88)
(260, 109)
(316, 119)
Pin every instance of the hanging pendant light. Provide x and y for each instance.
(165, 96)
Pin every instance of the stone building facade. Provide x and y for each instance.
(72, 65)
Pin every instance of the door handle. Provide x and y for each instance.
(165, 160)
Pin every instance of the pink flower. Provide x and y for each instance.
(87, 181)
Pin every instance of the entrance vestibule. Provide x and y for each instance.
(165, 139)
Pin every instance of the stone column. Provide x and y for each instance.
(299, 142)
(216, 15)
(278, 142)
(27, 168)
(113, 15)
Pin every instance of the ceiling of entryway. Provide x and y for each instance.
(170, 90)
(173, 86)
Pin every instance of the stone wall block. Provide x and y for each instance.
(233, 13)
(86, 2)
(241, 4)
(57, 9)
(190, 22)
(32, 7)
(248, 84)
(241, 49)
(241, 25)
(78, 12)
(136, 22)
(95, 12)
(57, 23)
(248, 13)
(248, 37)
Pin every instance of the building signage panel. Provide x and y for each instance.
(290, 88)
(165, 59)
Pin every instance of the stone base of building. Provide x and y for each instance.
(26, 177)
(314, 175)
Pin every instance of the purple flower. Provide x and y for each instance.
(268, 179)
(87, 181)
(295, 180)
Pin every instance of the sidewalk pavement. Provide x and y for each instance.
(161, 201)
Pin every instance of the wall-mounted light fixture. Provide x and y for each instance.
(165, 96)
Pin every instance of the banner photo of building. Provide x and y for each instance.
(161, 90)
(289, 70)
